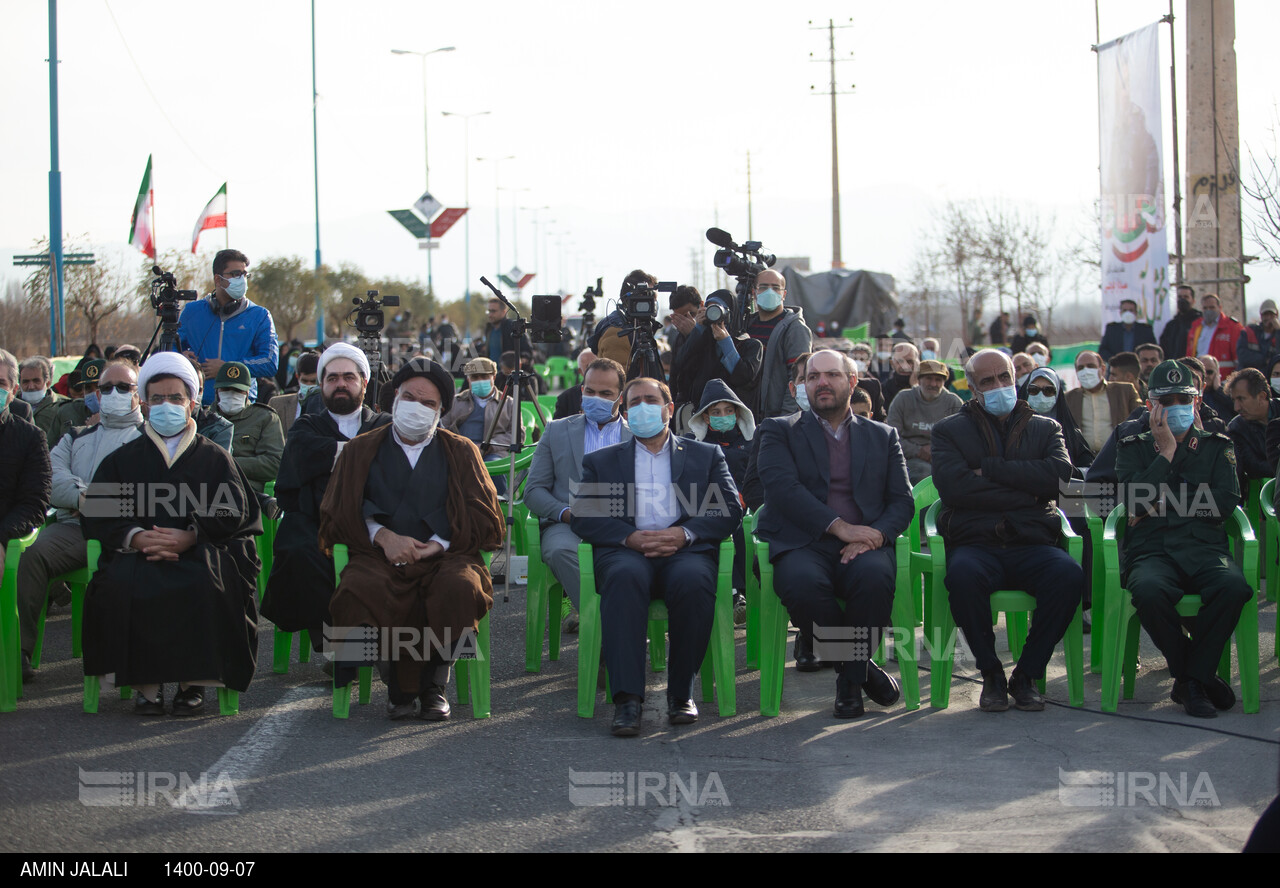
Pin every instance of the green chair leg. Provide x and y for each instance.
(365, 678)
(228, 701)
(37, 649)
(555, 595)
(588, 637)
(342, 700)
(92, 689)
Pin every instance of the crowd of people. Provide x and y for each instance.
(824, 441)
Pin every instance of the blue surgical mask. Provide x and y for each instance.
(723, 423)
(646, 420)
(91, 403)
(768, 300)
(482, 389)
(4, 398)
(304, 392)
(1042, 404)
(598, 410)
(999, 402)
(1031, 331)
(928, 355)
(236, 287)
(168, 419)
(1179, 417)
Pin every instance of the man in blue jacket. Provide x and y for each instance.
(227, 326)
(656, 509)
(836, 496)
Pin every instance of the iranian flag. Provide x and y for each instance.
(213, 216)
(142, 225)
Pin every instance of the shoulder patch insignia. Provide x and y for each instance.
(1231, 455)
(1194, 443)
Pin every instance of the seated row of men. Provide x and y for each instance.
(416, 508)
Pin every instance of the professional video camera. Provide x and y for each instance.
(640, 303)
(165, 297)
(744, 262)
(640, 309)
(369, 318)
(588, 307)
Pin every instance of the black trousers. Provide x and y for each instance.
(1046, 573)
(1157, 582)
(627, 581)
(811, 582)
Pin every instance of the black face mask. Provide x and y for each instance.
(1183, 307)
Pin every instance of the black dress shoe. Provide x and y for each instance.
(1220, 694)
(681, 712)
(848, 699)
(398, 711)
(143, 706)
(1191, 694)
(995, 691)
(1022, 688)
(805, 660)
(27, 672)
(880, 686)
(435, 706)
(626, 718)
(189, 702)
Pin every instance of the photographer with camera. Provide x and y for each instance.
(782, 334)
(609, 339)
(711, 352)
(227, 326)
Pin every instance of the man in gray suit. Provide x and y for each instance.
(557, 466)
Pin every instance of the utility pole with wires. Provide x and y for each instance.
(830, 28)
(750, 234)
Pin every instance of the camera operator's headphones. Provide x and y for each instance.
(221, 310)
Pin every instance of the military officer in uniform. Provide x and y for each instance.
(257, 440)
(1180, 487)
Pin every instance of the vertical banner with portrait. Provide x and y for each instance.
(1135, 252)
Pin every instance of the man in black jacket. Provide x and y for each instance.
(1248, 430)
(710, 352)
(1174, 338)
(1126, 334)
(999, 467)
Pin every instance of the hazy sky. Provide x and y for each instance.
(630, 121)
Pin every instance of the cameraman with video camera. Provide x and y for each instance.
(710, 352)
(227, 326)
(605, 341)
(782, 334)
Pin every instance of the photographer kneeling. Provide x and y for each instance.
(711, 352)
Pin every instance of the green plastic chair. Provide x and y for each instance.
(1122, 628)
(1015, 605)
(542, 602)
(752, 592)
(773, 634)
(10, 642)
(472, 675)
(266, 543)
(228, 699)
(919, 566)
(78, 581)
(1270, 558)
(561, 372)
(548, 403)
(502, 468)
(717, 667)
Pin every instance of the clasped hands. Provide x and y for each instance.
(401, 550)
(163, 543)
(858, 538)
(657, 543)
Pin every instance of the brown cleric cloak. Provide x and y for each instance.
(449, 593)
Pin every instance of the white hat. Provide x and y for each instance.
(343, 350)
(171, 363)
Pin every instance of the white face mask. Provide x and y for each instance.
(232, 403)
(1275, 384)
(1128, 317)
(1022, 380)
(802, 397)
(34, 397)
(117, 404)
(1040, 359)
(1089, 377)
(861, 365)
(413, 420)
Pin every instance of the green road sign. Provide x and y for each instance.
(410, 220)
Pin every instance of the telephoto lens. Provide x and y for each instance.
(715, 313)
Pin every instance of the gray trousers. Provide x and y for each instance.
(560, 553)
(58, 549)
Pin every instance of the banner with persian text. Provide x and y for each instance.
(1135, 252)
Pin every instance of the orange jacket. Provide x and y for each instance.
(1222, 346)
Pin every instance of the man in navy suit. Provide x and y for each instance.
(836, 496)
(1126, 334)
(655, 508)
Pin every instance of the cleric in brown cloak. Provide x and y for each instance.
(416, 508)
(175, 594)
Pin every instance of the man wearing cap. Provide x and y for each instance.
(301, 581)
(257, 441)
(227, 326)
(480, 414)
(1259, 344)
(60, 547)
(999, 468)
(1180, 487)
(1126, 334)
(710, 352)
(416, 508)
(289, 407)
(175, 594)
(36, 375)
(82, 410)
(917, 410)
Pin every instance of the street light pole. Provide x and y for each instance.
(515, 239)
(426, 160)
(497, 207)
(466, 220)
(536, 211)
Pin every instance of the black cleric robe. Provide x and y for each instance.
(194, 619)
(447, 594)
(301, 581)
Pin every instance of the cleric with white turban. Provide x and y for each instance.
(343, 350)
(170, 364)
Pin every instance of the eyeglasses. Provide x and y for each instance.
(156, 400)
(238, 273)
(123, 388)
(1036, 390)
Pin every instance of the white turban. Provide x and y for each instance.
(171, 363)
(343, 350)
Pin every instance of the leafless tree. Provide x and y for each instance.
(1263, 190)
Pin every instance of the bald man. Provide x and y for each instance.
(782, 334)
